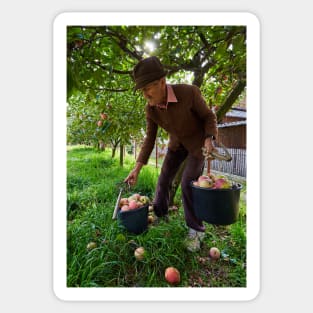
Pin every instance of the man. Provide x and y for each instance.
(180, 110)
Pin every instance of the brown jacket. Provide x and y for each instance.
(187, 121)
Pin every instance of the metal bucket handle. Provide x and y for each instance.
(214, 154)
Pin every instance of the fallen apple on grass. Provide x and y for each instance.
(140, 253)
(172, 275)
(214, 253)
(103, 116)
(91, 245)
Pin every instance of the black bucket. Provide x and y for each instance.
(216, 206)
(136, 220)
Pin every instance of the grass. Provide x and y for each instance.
(93, 180)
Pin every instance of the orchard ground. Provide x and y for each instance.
(93, 179)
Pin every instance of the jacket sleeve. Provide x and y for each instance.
(148, 143)
(208, 116)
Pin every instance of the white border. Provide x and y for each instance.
(253, 156)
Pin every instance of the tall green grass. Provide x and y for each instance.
(93, 181)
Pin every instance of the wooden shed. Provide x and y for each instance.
(232, 129)
(232, 134)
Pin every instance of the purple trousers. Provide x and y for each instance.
(192, 171)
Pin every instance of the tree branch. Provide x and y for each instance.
(231, 98)
(106, 68)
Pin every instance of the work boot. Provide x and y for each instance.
(193, 240)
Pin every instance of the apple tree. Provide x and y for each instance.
(99, 66)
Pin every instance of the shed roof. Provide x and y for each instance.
(237, 112)
(232, 124)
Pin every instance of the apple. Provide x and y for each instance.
(214, 253)
(91, 245)
(150, 208)
(140, 253)
(144, 200)
(203, 177)
(195, 183)
(136, 196)
(99, 123)
(133, 204)
(172, 275)
(139, 204)
(123, 201)
(125, 207)
(206, 183)
(150, 219)
(222, 183)
(104, 116)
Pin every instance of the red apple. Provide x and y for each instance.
(222, 183)
(99, 123)
(172, 275)
(195, 183)
(123, 201)
(125, 207)
(139, 253)
(104, 116)
(133, 204)
(214, 253)
(202, 177)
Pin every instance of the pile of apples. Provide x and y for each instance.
(133, 202)
(212, 182)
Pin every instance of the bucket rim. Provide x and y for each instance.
(132, 211)
(236, 186)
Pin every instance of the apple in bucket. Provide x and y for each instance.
(222, 183)
(133, 204)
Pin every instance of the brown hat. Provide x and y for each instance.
(148, 70)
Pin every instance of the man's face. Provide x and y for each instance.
(155, 92)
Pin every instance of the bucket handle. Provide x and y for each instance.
(214, 154)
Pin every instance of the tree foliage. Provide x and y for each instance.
(99, 73)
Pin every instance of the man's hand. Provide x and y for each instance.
(131, 179)
(208, 145)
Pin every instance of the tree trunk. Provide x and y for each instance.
(121, 155)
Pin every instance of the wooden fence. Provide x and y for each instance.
(237, 166)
